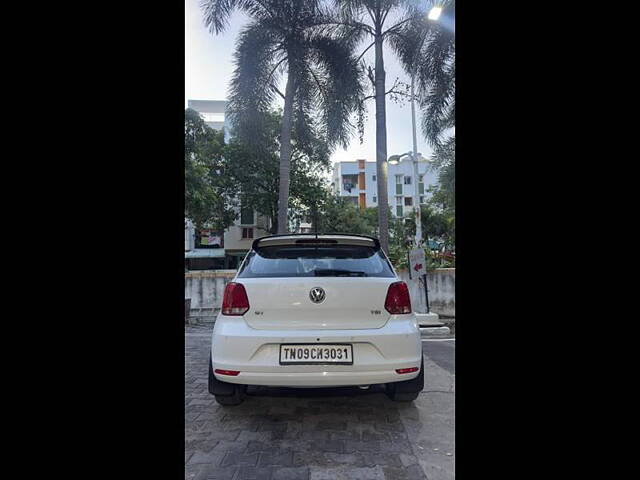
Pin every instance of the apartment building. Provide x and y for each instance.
(213, 250)
(212, 112)
(357, 181)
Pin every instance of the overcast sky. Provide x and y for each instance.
(209, 67)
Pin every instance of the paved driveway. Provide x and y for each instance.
(332, 434)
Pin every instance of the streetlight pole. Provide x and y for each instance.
(414, 160)
(434, 15)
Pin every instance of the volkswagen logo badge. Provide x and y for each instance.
(316, 294)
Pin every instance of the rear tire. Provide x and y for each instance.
(234, 399)
(408, 390)
(226, 394)
(402, 397)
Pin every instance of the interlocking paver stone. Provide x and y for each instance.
(345, 435)
(204, 457)
(269, 426)
(374, 436)
(216, 473)
(389, 427)
(229, 446)
(371, 459)
(282, 458)
(346, 473)
(359, 446)
(302, 459)
(240, 459)
(331, 425)
(254, 473)
(353, 459)
(254, 446)
(291, 473)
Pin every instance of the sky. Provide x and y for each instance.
(209, 68)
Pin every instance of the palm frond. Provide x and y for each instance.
(217, 12)
(338, 82)
(436, 85)
(257, 56)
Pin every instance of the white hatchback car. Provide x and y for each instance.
(316, 311)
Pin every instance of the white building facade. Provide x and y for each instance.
(357, 180)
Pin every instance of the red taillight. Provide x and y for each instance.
(407, 370)
(235, 301)
(232, 373)
(398, 300)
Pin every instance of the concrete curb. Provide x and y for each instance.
(429, 320)
(434, 331)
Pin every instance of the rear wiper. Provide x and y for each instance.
(331, 272)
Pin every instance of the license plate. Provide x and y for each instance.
(334, 354)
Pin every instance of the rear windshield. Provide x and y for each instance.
(315, 261)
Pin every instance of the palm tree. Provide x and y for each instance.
(437, 78)
(367, 18)
(287, 38)
(427, 50)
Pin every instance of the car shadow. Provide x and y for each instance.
(260, 391)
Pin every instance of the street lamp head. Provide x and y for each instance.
(434, 13)
(396, 159)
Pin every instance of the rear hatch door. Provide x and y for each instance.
(316, 286)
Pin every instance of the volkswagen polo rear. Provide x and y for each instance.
(307, 311)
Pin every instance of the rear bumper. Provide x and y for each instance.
(377, 353)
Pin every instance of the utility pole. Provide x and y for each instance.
(414, 158)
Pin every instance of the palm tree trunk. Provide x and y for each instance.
(285, 154)
(381, 146)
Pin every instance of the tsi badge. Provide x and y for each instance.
(316, 295)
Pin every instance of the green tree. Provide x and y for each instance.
(444, 162)
(252, 168)
(286, 37)
(443, 194)
(340, 215)
(207, 200)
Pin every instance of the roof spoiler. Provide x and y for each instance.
(311, 239)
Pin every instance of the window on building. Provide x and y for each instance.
(407, 180)
(421, 185)
(399, 184)
(373, 177)
(408, 201)
(375, 199)
(422, 200)
(247, 233)
(212, 117)
(399, 206)
(349, 182)
(247, 216)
